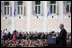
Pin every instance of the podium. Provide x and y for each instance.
(51, 40)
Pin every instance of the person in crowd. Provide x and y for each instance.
(14, 36)
(5, 36)
(39, 36)
(46, 35)
(9, 35)
(17, 34)
(31, 37)
(27, 35)
(2, 34)
(20, 36)
(43, 36)
(6, 31)
(24, 36)
(62, 36)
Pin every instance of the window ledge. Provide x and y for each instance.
(5, 16)
(53, 16)
(67, 16)
(19, 17)
(39, 17)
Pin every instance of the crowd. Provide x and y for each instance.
(24, 43)
(22, 35)
(22, 39)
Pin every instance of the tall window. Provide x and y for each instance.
(52, 6)
(19, 7)
(6, 8)
(37, 7)
(68, 6)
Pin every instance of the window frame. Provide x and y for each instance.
(53, 8)
(69, 4)
(20, 9)
(39, 15)
(7, 14)
(38, 8)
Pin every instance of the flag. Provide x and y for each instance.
(48, 13)
(14, 12)
(67, 12)
(34, 12)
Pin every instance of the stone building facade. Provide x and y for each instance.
(19, 15)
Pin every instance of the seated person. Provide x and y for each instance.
(17, 34)
(6, 31)
(35, 36)
(15, 31)
(14, 36)
(43, 36)
(24, 36)
(9, 35)
(2, 34)
(20, 36)
(31, 36)
(5, 36)
(39, 36)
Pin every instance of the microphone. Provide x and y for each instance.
(52, 31)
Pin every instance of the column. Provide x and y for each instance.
(23, 7)
(29, 7)
(45, 16)
(61, 11)
(12, 27)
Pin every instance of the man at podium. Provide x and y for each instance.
(61, 39)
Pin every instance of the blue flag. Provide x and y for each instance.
(48, 13)
(14, 12)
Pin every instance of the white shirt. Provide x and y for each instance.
(62, 28)
(69, 37)
(6, 31)
(2, 34)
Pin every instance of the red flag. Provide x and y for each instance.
(67, 10)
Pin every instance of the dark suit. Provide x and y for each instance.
(43, 36)
(46, 36)
(39, 36)
(20, 36)
(61, 39)
(24, 36)
(9, 35)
